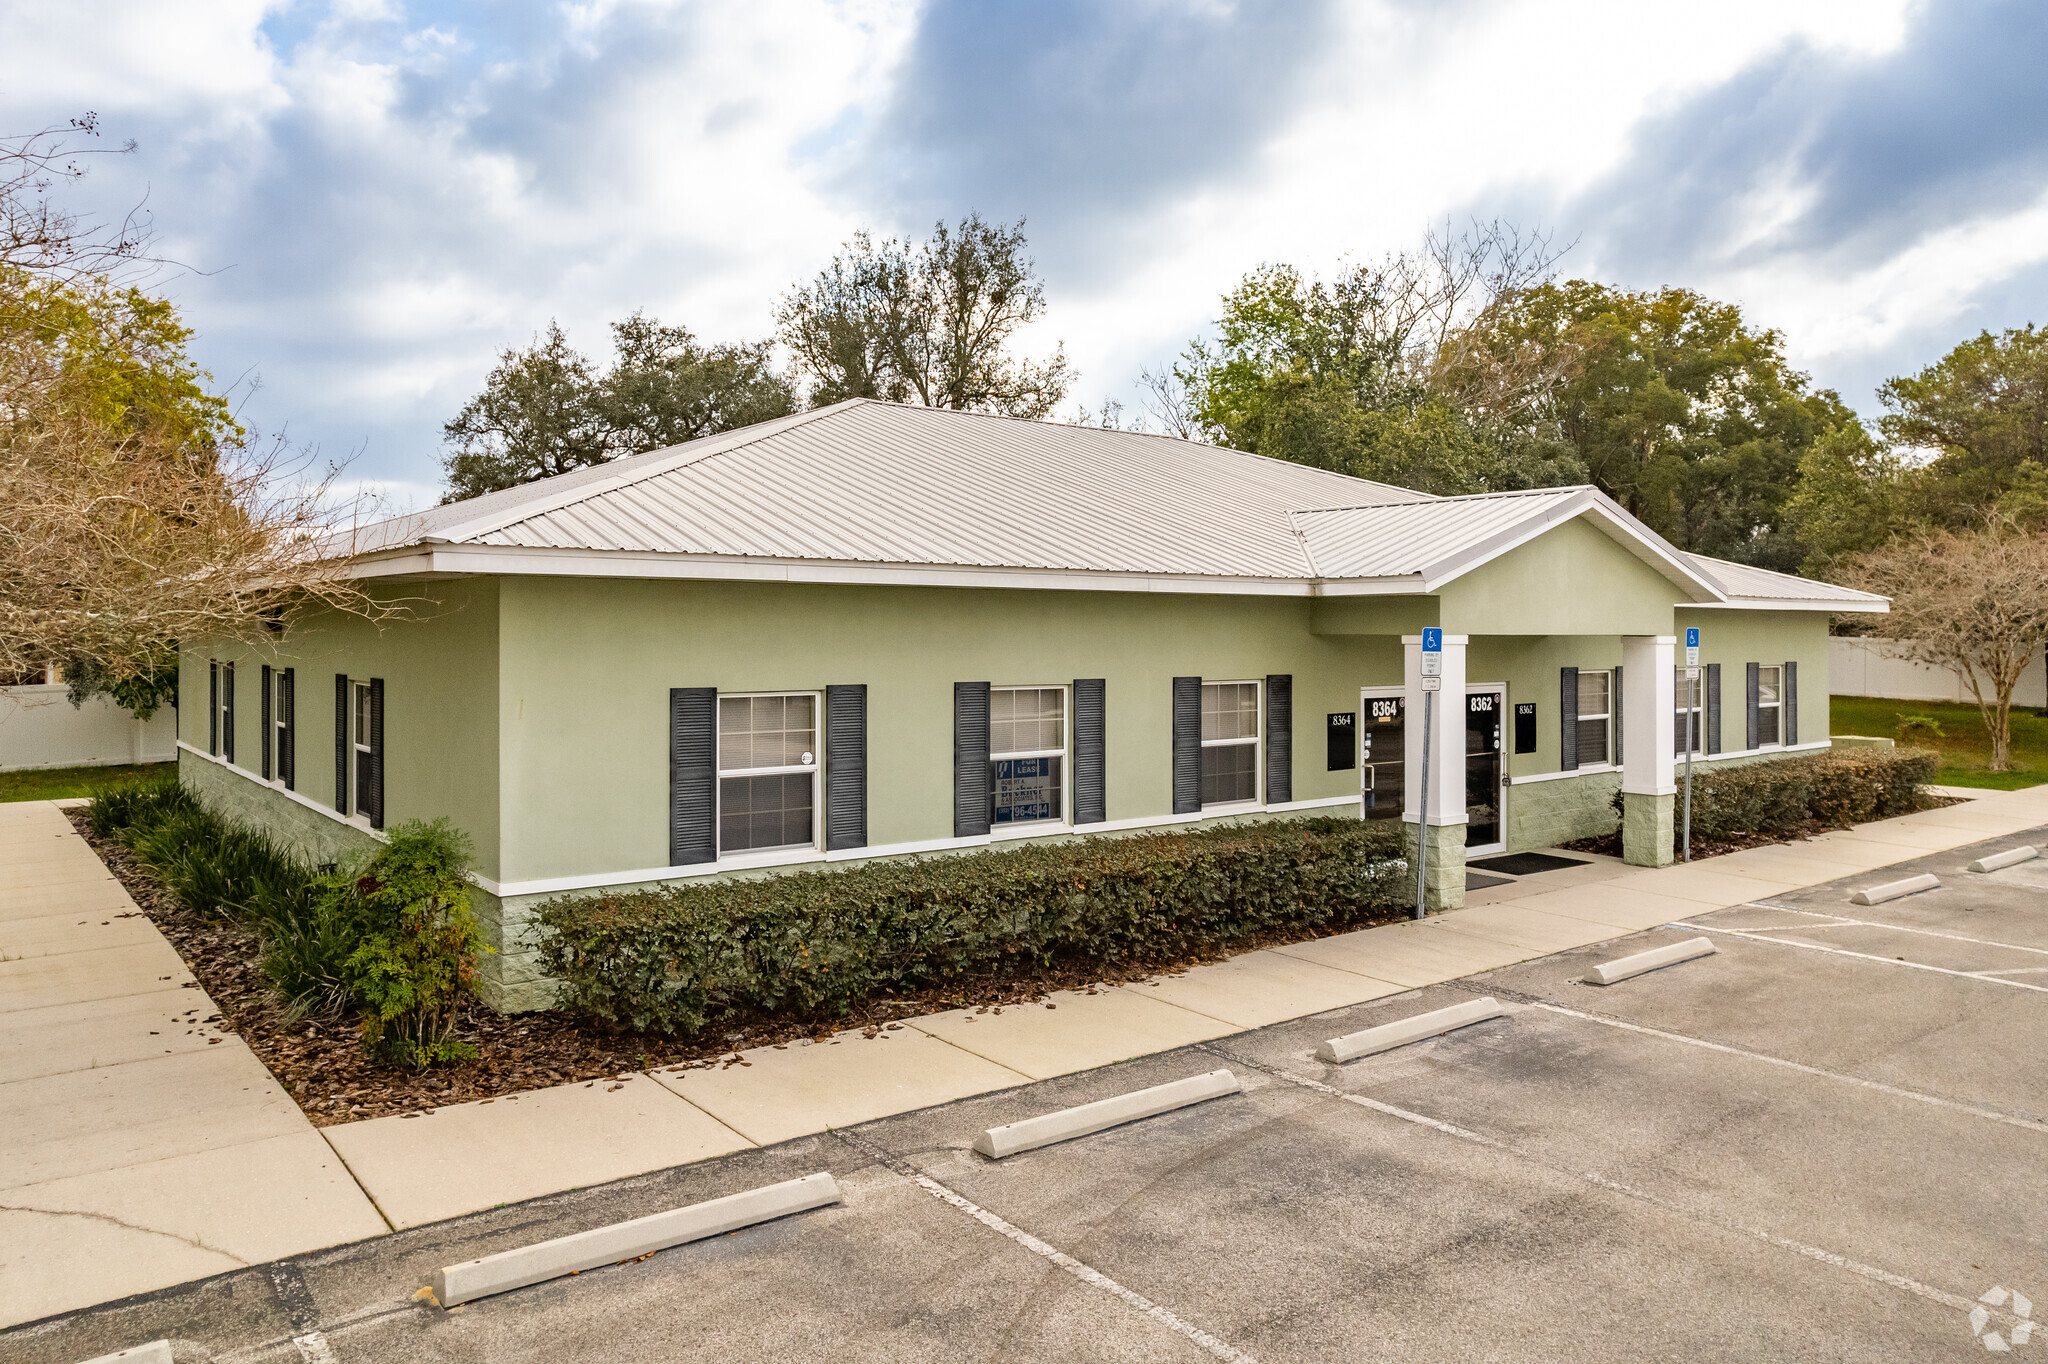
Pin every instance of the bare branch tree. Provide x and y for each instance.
(1974, 602)
(117, 545)
(37, 235)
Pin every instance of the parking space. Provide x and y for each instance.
(1827, 1141)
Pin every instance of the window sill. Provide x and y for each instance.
(1233, 807)
(1038, 828)
(769, 857)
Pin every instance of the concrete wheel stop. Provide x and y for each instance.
(622, 1241)
(1623, 968)
(1893, 890)
(1068, 1123)
(1400, 1033)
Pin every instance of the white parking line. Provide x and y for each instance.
(1840, 922)
(1094, 1278)
(1857, 1267)
(1863, 956)
(1916, 1096)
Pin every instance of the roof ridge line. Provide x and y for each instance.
(566, 498)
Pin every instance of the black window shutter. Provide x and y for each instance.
(1091, 785)
(1788, 697)
(264, 744)
(1614, 716)
(846, 767)
(1713, 709)
(971, 794)
(1749, 734)
(692, 775)
(376, 801)
(227, 711)
(287, 728)
(341, 753)
(1279, 738)
(1187, 745)
(213, 708)
(1568, 719)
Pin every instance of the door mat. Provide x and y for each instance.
(1526, 863)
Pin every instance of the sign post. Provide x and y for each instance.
(1432, 683)
(1692, 687)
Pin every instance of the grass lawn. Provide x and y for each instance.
(1965, 747)
(58, 783)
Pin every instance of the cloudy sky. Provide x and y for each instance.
(374, 196)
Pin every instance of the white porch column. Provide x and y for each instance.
(1445, 822)
(1649, 700)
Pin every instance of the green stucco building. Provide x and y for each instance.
(871, 630)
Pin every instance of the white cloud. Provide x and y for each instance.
(387, 197)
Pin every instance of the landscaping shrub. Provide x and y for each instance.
(393, 940)
(814, 942)
(418, 946)
(1783, 795)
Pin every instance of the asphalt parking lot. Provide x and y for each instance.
(1828, 1141)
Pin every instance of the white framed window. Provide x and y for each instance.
(1027, 755)
(1230, 742)
(1594, 738)
(767, 772)
(227, 711)
(363, 764)
(1770, 704)
(1688, 693)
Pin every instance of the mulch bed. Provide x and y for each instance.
(320, 1061)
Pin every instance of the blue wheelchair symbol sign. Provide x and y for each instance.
(1692, 637)
(1433, 640)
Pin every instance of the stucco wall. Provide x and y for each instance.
(588, 665)
(440, 672)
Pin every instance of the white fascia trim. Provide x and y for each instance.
(1642, 542)
(597, 563)
(1878, 608)
(811, 857)
(1405, 585)
(359, 825)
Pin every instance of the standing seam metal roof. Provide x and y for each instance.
(866, 482)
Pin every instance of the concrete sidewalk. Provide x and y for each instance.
(479, 1155)
(143, 1147)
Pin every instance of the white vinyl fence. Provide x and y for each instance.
(38, 728)
(1869, 667)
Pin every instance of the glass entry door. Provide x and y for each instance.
(1382, 746)
(1485, 828)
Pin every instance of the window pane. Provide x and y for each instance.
(1025, 790)
(1230, 772)
(1593, 694)
(363, 716)
(1026, 719)
(1592, 745)
(1767, 725)
(764, 812)
(1230, 710)
(765, 731)
(1767, 686)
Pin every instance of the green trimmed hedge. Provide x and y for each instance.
(814, 942)
(1837, 789)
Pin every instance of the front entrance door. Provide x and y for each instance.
(1381, 751)
(1485, 822)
